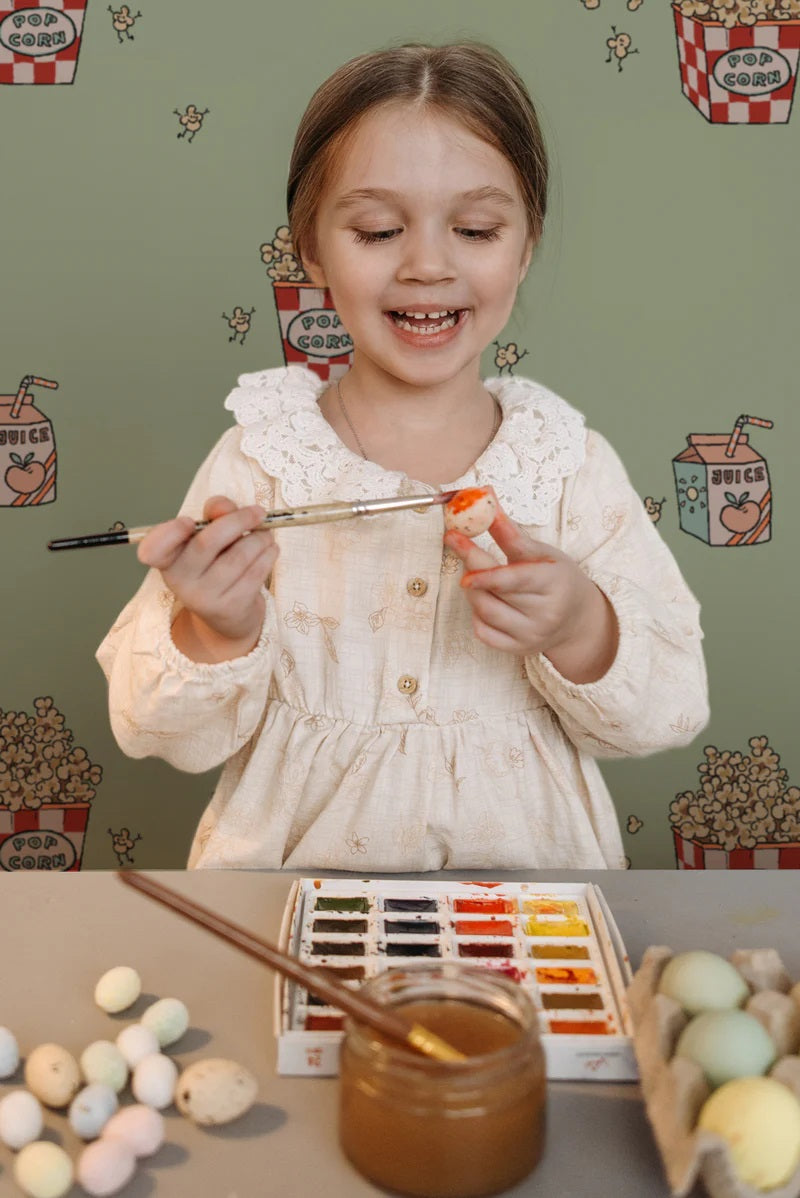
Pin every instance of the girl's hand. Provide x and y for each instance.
(540, 602)
(217, 575)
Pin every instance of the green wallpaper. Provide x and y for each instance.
(662, 303)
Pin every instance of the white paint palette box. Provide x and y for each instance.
(559, 941)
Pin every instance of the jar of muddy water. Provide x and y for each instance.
(445, 1129)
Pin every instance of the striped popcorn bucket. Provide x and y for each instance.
(694, 854)
(40, 43)
(312, 334)
(740, 76)
(50, 837)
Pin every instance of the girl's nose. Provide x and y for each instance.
(426, 257)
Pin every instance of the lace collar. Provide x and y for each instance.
(540, 442)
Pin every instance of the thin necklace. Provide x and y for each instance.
(498, 415)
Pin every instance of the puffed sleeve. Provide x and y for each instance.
(655, 694)
(162, 704)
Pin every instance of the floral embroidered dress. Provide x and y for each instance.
(369, 729)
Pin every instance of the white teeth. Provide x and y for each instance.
(426, 330)
(428, 315)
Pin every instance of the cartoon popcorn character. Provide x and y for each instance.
(39, 43)
(738, 58)
(312, 334)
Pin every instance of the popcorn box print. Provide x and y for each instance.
(50, 837)
(723, 500)
(694, 854)
(740, 76)
(311, 332)
(40, 43)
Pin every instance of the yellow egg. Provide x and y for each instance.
(760, 1120)
(703, 981)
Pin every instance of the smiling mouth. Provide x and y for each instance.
(427, 323)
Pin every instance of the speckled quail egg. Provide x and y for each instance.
(118, 989)
(102, 1061)
(153, 1081)
(760, 1120)
(43, 1170)
(471, 510)
(21, 1119)
(53, 1075)
(136, 1042)
(726, 1045)
(703, 981)
(9, 1052)
(168, 1018)
(215, 1091)
(91, 1109)
(141, 1127)
(105, 1166)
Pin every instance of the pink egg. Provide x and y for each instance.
(105, 1167)
(139, 1126)
(471, 511)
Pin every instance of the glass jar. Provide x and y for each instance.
(445, 1130)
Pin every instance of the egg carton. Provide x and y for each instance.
(675, 1088)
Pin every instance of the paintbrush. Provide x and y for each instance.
(320, 513)
(316, 979)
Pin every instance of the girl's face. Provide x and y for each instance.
(422, 217)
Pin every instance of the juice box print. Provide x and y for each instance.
(27, 448)
(723, 488)
(40, 43)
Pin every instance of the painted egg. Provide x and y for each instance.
(168, 1018)
(215, 1091)
(9, 1052)
(21, 1119)
(139, 1126)
(105, 1166)
(726, 1045)
(136, 1042)
(154, 1080)
(760, 1120)
(703, 981)
(471, 511)
(91, 1109)
(118, 989)
(53, 1075)
(103, 1062)
(43, 1170)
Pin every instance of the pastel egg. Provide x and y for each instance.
(141, 1127)
(53, 1075)
(153, 1081)
(703, 981)
(9, 1052)
(103, 1062)
(43, 1170)
(105, 1166)
(91, 1109)
(168, 1018)
(727, 1045)
(760, 1120)
(21, 1119)
(215, 1091)
(118, 989)
(471, 510)
(136, 1042)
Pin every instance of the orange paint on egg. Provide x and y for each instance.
(464, 499)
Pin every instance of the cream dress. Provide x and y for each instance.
(369, 730)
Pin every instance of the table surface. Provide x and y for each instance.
(60, 932)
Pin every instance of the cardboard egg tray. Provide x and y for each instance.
(674, 1088)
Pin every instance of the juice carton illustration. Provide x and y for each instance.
(737, 70)
(312, 333)
(723, 487)
(40, 43)
(27, 449)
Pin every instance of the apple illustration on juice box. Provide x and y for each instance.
(27, 448)
(723, 487)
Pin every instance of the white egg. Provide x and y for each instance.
(103, 1062)
(215, 1091)
(471, 511)
(53, 1075)
(43, 1170)
(141, 1127)
(9, 1052)
(105, 1166)
(91, 1109)
(703, 981)
(136, 1042)
(168, 1018)
(154, 1080)
(118, 989)
(21, 1119)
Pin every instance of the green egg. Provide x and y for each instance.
(727, 1045)
(703, 981)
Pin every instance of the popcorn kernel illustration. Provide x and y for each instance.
(191, 120)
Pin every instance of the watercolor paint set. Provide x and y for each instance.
(559, 941)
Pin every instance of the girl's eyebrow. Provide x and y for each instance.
(494, 194)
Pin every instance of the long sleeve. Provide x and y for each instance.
(195, 715)
(655, 694)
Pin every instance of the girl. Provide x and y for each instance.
(383, 697)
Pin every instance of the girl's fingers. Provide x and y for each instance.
(223, 532)
(502, 617)
(216, 506)
(164, 544)
(473, 557)
(521, 578)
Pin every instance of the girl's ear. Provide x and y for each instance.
(526, 259)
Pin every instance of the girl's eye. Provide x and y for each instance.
(361, 236)
(480, 234)
(383, 235)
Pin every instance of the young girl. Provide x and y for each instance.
(386, 697)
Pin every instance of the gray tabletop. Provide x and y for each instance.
(60, 932)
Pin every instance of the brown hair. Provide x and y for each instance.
(469, 80)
